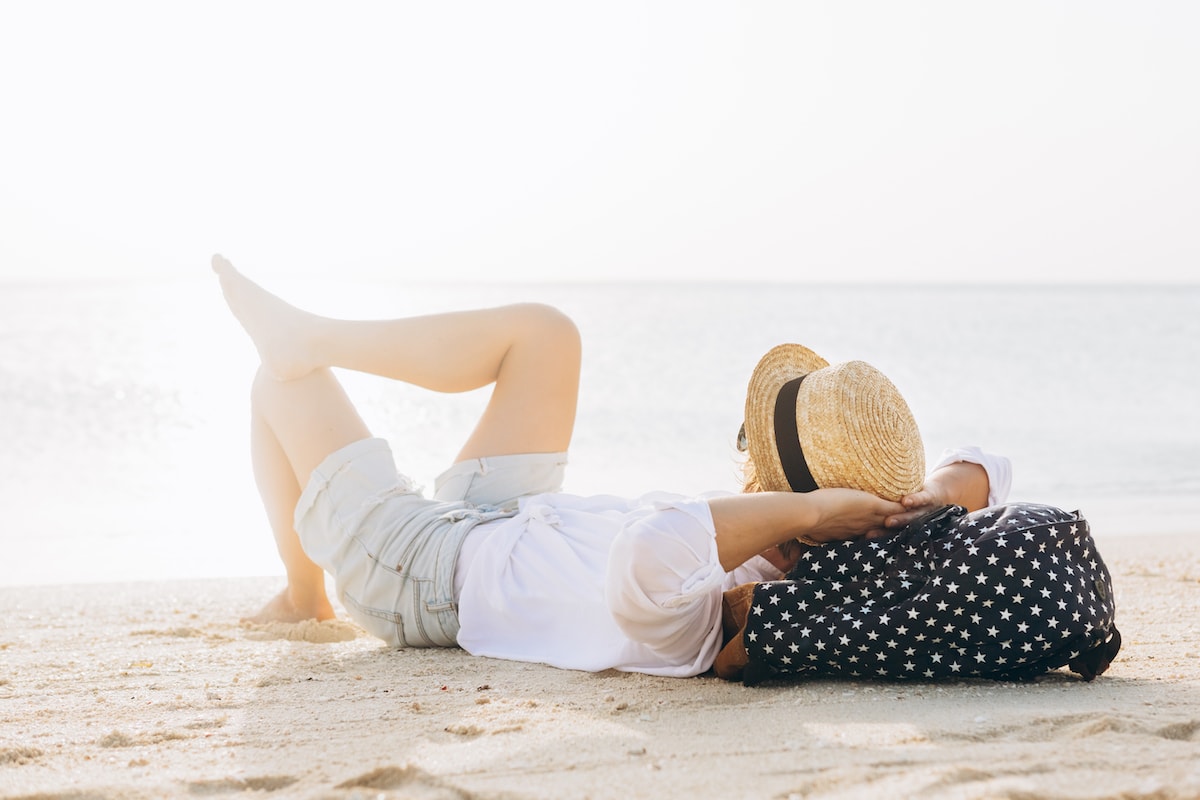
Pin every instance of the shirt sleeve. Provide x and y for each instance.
(665, 582)
(998, 468)
(753, 571)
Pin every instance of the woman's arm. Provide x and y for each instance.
(748, 524)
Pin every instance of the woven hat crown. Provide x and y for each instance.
(851, 427)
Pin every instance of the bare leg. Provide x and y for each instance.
(314, 417)
(531, 352)
(301, 414)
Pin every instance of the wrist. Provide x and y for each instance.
(807, 517)
(962, 483)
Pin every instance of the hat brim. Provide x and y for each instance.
(854, 428)
(779, 365)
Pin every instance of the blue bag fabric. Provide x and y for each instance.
(1009, 592)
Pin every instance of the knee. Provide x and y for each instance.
(267, 392)
(261, 388)
(551, 319)
(551, 326)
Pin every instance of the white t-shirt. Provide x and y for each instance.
(603, 582)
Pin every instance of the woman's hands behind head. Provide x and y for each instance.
(848, 514)
(961, 484)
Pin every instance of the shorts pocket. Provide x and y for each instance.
(383, 623)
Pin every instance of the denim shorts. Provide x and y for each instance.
(391, 550)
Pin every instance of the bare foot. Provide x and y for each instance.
(281, 609)
(281, 333)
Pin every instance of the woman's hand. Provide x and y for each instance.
(961, 483)
(848, 514)
(749, 524)
(841, 514)
(922, 501)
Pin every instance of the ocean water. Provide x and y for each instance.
(123, 407)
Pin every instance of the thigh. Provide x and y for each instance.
(533, 402)
(311, 417)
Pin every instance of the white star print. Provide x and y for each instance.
(852, 592)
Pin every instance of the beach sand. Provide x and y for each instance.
(147, 690)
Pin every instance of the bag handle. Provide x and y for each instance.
(1095, 661)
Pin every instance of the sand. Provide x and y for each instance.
(147, 690)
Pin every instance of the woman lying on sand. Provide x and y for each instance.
(500, 562)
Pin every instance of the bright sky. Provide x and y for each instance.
(838, 141)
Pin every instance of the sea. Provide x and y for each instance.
(124, 405)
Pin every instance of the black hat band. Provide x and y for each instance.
(787, 439)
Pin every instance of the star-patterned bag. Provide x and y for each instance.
(1009, 592)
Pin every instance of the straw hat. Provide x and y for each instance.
(841, 426)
